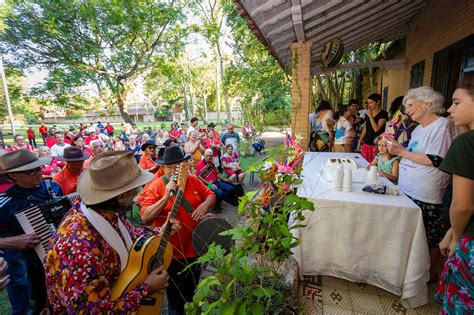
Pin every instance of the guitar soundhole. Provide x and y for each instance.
(152, 263)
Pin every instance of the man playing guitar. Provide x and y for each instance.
(91, 246)
(157, 203)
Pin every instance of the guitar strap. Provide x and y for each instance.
(184, 202)
(110, 235)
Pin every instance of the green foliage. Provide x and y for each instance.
(248, 278)
(107, 44)
(255, 77)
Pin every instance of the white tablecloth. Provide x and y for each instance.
(362, 237)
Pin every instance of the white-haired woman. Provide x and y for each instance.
(419, 175)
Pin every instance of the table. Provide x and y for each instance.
(362, 237)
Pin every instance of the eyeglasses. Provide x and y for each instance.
(32, 172)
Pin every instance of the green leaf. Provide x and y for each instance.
(229, 309)
(242, 309)
(255, 309)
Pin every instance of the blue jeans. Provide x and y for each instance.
(26, 280)
(223, 191)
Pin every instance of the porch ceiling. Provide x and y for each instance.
(278, 23)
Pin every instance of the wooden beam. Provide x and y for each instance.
(306, 16)
(297, 18)
(266, 7)
(376, 17)
(346, 17)
(285, 39)
(344, 10)
(363, 38)
(385, 64)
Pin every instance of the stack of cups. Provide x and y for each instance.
(347, 182)
(337, 178)
(373, 176)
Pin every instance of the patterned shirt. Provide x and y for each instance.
(81, 268)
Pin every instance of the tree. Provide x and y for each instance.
(213, 18)
(254, 77)
(107, 44)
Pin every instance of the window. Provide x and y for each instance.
(450, 64)
(416, 74)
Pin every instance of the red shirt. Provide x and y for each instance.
(30, 133)
(67, 180)
(213, 175)
(109, 129)
(50, 141)
(146, 163)
(195, 193)
(143, 193)
(43, 130)
(51, 168)
(15, 148)
(89, 139)
(174, 133)
(206, 143)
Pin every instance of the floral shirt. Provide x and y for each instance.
(81, 268)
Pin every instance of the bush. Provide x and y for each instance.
(278, 118)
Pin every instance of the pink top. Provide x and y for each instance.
(230, 159)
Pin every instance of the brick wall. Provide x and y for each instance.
(301, 83)
(438, 25)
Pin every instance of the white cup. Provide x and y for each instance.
(347, 181)
(337, 178)
(373, 176)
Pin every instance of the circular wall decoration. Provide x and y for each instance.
(332, 52)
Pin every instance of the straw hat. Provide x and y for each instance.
(110, 174)
(21, 160)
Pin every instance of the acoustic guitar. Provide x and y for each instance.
(147, 254)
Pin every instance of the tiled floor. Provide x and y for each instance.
(329, 295)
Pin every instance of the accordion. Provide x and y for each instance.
(43, 220)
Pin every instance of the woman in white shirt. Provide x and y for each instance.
(419, 176)
(345, 133)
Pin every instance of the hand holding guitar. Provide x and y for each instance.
(157, 280)
(175, 225)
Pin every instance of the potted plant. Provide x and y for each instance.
(250, 278)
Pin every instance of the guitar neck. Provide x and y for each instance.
(166, 234)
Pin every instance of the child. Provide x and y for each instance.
(345, 133)
(387, 164)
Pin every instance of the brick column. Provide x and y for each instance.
(301, 83)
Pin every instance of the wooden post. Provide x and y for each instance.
(301, 83)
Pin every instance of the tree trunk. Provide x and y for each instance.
(120, 96)
(218, 92)
(204, 99)
(224, 92)
(187, 113)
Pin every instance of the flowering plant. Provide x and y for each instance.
(280, 173)
(250, 278)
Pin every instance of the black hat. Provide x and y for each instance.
(173, 155)
(161, 149)
(211, 125)
(149, 143)
(73, 154)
